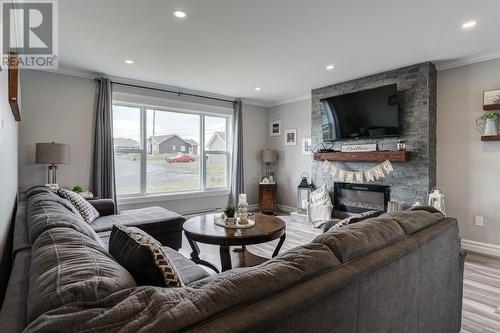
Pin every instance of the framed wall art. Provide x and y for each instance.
(275, 128)
(291, 137)
(491, 100)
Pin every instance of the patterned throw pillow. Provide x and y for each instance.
(87, 211)
(355, 218)
(321, 196)
(143, 257)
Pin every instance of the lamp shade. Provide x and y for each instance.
(52, 153)
(269, 155)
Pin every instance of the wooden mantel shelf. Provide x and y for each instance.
(490, 138)
(373, 156)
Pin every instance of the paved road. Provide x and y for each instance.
(158, 172)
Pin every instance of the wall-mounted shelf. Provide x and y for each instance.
(372, 156)
(490, 138)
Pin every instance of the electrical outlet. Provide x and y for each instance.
(479, 221)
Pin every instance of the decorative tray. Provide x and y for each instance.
(221, 223)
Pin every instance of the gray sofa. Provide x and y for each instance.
(393, 273)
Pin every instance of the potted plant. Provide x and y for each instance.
(229, 214)
(487, 123)
(78, 189)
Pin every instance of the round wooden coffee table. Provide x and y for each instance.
(203, 229)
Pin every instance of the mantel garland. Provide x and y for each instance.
(371, 174)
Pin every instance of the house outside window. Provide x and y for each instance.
(147, 144)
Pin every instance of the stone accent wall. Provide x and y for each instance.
(417, 116)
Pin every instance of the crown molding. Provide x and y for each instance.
(290, 100)
(449, 64)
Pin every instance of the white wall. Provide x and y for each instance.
(56, 108)
(8, 166)
(466, 167)
(255, 133)
(291, 163)
(60, 108)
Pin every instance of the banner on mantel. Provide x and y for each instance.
(370, 175)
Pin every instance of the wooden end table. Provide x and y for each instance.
(204, 230)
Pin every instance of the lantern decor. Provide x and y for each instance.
(303, 193)
(436, 199)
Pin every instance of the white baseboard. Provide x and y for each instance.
(287, 209)
(479, 247)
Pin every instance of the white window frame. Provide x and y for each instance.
(202, 153)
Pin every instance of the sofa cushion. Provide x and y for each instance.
(178, 309)
(15, 302)
(86, 210)
(38, 190)
(355, 240)
(188, 271)
(66, 267)
(150, 218)
(47, 211)
(413, 221)
(143, 257)
(21, 239)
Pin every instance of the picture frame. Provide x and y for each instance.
(306, 146)
(275, 128)
(290, 137)
(491, 100)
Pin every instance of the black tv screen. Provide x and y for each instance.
(369, 113)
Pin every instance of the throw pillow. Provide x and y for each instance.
(321, 196)
(143, 257)
(87, 211)
(355, 218)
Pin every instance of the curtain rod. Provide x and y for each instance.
(178, 93)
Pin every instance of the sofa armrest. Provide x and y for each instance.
(105, 207)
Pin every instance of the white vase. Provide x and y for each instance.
(491, 127)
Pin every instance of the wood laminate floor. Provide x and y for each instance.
(481, 302)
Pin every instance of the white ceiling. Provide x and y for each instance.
(229, 47)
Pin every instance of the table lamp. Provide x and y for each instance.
(52, 154)
(269, 156)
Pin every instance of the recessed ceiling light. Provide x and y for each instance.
(180, 14)
(128, 61)
(330, 67)
(469, 24)
(258, 89)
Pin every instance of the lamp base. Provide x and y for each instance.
(52, 174)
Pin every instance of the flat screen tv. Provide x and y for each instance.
(372, 113)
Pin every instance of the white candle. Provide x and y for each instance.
(243, 198)
(304, 204)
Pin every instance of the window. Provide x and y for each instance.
(148, 143)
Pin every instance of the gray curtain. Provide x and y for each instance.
(238, 180)
(103, 164)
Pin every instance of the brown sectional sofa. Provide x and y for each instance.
(394, 273)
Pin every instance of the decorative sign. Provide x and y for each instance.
(359, 148)
(370, 175)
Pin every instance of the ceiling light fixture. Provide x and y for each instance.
(469, 24)
(258, 89)
(180, 14)
(330, 67)
(128, 61)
